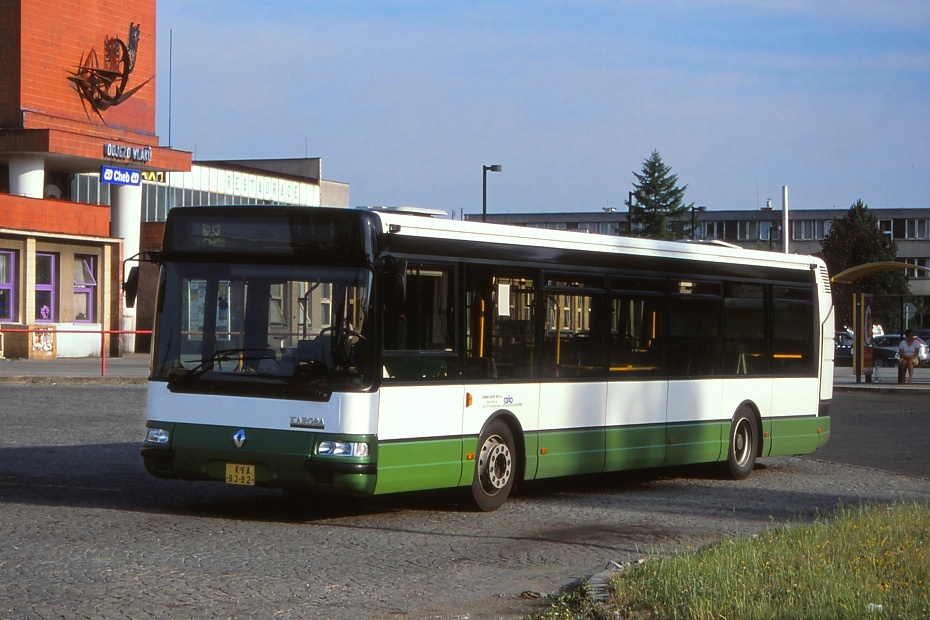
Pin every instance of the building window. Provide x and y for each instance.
(277, 315)
(89, 189)
(808, 230)
(765, 231)
(85, 288)
(916, 229)
(7, 285)
(747, 231)
(887, 227)
(917, 262)
(46, 310)
(326, 305)
(711, 230)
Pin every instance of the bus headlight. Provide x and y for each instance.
(157, 435)
(342, 448)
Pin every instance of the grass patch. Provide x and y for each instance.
(872, 561)
(866, 562)
(572, 605)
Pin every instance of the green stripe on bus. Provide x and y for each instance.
(697, 442)
(798, 435)
(419, 464)
(280, 455)
(635, 447)
(568, 452)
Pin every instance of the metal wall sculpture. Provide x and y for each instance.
(104, 86)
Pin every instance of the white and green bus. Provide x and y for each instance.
(366, 351)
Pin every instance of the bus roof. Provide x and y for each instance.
(269, 229)
(503, 234)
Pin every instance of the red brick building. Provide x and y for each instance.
(77, 93)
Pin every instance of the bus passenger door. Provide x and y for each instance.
(637, 394)
(696, 361)
(420, 414)
(573, 394)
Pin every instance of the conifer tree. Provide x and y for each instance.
(658, 209)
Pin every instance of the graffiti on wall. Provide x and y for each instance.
(102, 85)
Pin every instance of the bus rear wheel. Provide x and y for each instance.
(743, 445)
(495, 467)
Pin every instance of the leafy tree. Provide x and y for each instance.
(657, 210)
(854, 240)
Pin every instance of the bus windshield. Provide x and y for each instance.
(274, 330)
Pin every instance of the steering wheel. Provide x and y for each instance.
(342, 350)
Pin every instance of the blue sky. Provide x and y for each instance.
(406, 100)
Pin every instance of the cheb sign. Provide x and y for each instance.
(120, 176)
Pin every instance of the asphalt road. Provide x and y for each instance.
(888, 429)
(86, 533)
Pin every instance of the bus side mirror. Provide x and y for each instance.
(131, 286)
(393, 281)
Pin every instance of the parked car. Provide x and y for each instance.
(885, 350)
(843, 348)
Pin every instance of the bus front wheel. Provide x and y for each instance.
(744, 444)
(495, 467)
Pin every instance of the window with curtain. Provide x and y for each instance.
(85, 288)
(7, 285)
(46, 308)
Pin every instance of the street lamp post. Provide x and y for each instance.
(695, 209)
(484, 188)
(629, 213)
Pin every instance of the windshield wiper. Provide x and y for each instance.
(226, 355)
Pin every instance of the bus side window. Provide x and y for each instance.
(571, 346)
(694, 330)
(419, 335)
(744, 329)
(500, 337)
(793, 337)
(513, 335)
(634, 341)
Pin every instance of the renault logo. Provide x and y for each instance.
(239, 438)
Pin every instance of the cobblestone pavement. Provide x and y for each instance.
(86, 533)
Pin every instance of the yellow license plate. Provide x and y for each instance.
(237, 473)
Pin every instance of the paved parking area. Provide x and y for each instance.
(133, 366)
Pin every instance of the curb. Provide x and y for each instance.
(884, 388)
(103, 380)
